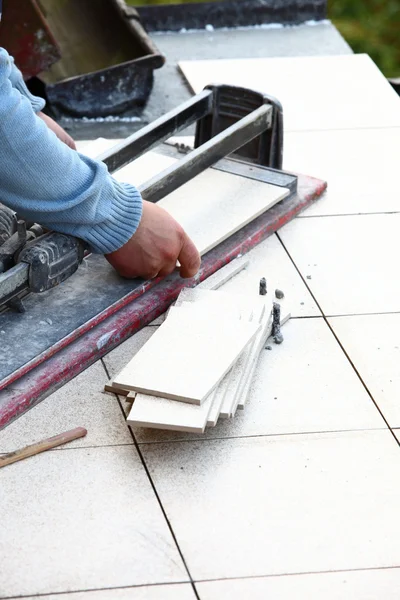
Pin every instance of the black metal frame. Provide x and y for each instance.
(228, 119)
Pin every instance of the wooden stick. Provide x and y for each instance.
(57, 440)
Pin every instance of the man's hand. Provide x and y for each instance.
(59, 131)
(158, 243)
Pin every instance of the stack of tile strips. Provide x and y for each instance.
(200, 363)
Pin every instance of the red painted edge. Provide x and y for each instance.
(66, 359)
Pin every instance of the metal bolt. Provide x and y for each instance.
(263, 286)
(276, 323)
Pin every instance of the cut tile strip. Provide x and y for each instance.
(162, 413)
(214, 282)
(259, 344)
(240, 368)
(202, 351)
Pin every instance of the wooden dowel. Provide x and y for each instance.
(57, 440)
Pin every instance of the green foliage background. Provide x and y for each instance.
(371, 26)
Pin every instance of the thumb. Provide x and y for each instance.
(189, 258)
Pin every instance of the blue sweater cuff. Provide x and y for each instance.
(122, 221)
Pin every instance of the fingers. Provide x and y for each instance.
(71, 143)
(189, 258)
(167, 269)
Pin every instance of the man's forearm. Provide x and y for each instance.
(45, 181)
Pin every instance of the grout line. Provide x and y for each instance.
(59, 449)
(156, 492)
(219, 439)
(374, 213)
(336, 338)
(306, 317)
(260, 435)
(338, 316)
(361, 314)
(301, 573)
(90, 590)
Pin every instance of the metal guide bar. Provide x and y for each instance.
(206, 155)
(258, 173)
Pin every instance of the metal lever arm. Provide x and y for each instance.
(157, 132)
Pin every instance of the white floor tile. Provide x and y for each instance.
(372, 343)
(304, 385)
(182, 591)
(319, 92)
(353, 585)
(350, 263)
(281, 505)
(270, 260)
(82, 519)
(79, 403)
(357, 164)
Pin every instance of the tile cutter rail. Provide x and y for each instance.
(69, 326)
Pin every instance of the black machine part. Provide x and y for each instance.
(229, 120)
(52, 258)
(8, 223)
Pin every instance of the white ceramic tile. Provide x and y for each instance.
(348, 585)
(93, 148)
(372, 343)
(221, 277)
(182, 591)
(270, 260)
(187, 356)
(357, 164)
(79, 403)
(138, 171)
(319, 92)
(117, 359)
(211, 208)
(82, 519)
(304, 385)
(216, 280)
(161, 413)
(244, 367)
(144, 168)
(349, 263)
(282, 504)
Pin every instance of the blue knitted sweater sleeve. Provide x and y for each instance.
(45, 181)
(17, 81)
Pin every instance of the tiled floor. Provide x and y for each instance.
(298, 496)
(337, 92)
(157, 592)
